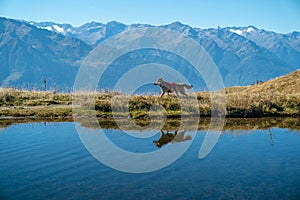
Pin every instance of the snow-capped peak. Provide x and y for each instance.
(249, 29)
(237, 31)
(242, 31)
(50, 26)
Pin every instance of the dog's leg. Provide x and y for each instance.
(183, 92)
(162, 94)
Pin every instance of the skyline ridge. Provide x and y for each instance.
(280, 16)
(174, 22)
(242, 57)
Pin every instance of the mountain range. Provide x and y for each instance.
(33, 51)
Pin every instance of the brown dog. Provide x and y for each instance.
(172, 87)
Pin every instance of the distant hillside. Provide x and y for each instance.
(277, 97)
(28, 55)
(285, 85)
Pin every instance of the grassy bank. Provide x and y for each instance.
(278, 97)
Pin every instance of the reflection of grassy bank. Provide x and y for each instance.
(173, 124)
(4, 123)
(204, 124)
(278, 97)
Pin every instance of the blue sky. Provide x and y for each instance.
(275, 15)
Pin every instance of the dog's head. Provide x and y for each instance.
(158, 81)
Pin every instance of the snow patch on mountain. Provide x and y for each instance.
(242, 31)
(94, 28)
(49, 28)
(58, 29)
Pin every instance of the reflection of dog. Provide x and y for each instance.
(165, 138)
(172, 87)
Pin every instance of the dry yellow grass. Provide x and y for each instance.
(13, 97)
(284, 85)
(280, 96)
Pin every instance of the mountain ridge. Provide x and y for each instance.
(243, 55)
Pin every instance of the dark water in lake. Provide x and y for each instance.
(48, 161)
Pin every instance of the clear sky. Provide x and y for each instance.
(276, 15)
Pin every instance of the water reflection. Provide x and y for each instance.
(167, 137)
(6, 122)
(204, 124)
(49, 160)
(175, 124)
(271, 138)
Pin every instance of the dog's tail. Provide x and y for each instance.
(187, 86)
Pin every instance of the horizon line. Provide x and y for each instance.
(162, 24)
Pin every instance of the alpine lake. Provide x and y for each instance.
(257, 158)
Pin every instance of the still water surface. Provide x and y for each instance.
(48, 161)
